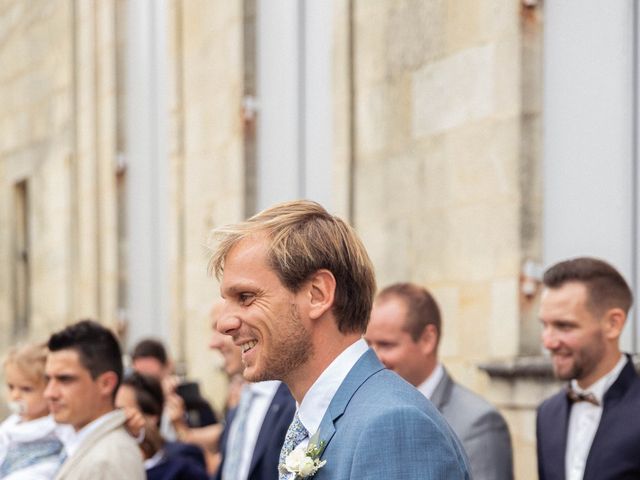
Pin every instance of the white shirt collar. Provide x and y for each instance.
(317, 400)
(264, 388)
(72, 444)
(149, 463)
(429, 385)
(600, 387)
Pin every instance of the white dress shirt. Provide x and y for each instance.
(261, 394)
(583, 422)
(429, 385)
(316, 402)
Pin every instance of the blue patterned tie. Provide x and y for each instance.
(295, 435)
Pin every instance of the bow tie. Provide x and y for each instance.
(582, 397)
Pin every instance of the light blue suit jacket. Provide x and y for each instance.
(379, 427)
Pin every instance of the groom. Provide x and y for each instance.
(298, 287)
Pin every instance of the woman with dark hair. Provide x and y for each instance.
(163, 460)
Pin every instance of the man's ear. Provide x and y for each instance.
(614, 320)
(321, 291)
(429, 339)
(107, 382)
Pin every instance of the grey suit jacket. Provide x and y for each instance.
(108, 453)
(480, 427)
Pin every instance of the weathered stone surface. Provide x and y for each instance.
(446, 96)
(446, 131)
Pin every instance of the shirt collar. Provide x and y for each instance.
(264, 388)
(600, 387)
(149, 463)
(316, 402)
(429, 385)
(74, 442)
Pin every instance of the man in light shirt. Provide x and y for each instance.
(404, 331)
(298, 287)
(83, 371)
(590, 430)
(256, 426)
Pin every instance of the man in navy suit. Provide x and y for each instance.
(255, 428)
(590, 430)
(298, 287)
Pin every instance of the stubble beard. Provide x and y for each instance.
(291, 349)
(585, 361)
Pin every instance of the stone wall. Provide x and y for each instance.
(37, 146)
(206, 150)
(436, 162)
(445, 162)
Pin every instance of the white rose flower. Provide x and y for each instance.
(294, 459)
(304, 462)
(307, 467)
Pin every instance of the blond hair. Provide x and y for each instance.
(304, 238)
(30, 359)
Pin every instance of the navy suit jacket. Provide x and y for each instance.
(264, 462)
(615, 451)
(378, 427)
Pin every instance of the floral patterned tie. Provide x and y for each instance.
(295, 435)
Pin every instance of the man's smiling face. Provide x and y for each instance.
(261, 314)
(572, 333)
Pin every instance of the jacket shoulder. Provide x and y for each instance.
(552, 403)
(470, 415)
(115, 450)
(463, 400)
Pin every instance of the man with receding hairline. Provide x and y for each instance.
(404, 330)
(591, 429)
(298, 287)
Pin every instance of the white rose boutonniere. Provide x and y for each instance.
(304, 462)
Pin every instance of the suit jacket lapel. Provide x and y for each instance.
(609, 401)
(270, 421)
(442, 392)
(367, 365)
(116, 420)
(559, 430)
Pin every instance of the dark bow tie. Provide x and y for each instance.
(582, 397)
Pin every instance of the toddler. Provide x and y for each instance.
(30, 445)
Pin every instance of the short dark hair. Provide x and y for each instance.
(148, 392)
(150, 347)
(422, 308)
(606, 287)
(97, 347)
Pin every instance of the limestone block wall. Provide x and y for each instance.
(445, 160)
(438, 129)
(207, 166)
(436, 160)
(36, 145)
(59, 133)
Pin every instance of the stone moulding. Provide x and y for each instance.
(533, 367)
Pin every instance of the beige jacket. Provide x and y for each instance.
(108, 453)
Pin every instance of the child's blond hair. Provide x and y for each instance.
(30, 359)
